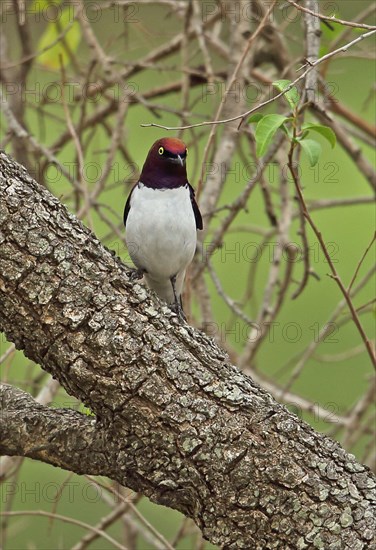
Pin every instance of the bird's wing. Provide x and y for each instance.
(128, 206)
(196, 211)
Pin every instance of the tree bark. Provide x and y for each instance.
(174, 419)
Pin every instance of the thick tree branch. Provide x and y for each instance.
(174, 419)
(33, 430)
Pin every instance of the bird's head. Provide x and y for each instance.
(164, 166)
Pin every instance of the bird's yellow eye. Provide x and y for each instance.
(161, 150)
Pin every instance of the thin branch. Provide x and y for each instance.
(11, 349)
(269, 311)
(300, 359)
(237, 205)
(229, 89)
(306, 253)
(289, 398)
(332, 19)
(136, 512)
(334, 274)
(228, 301)
(67, 519)
(360, 263)
(358, 412)
(352, 148)
(34, 55)
(76, 141)
(20, 132)
(100, 527)
(342, 356)
(271, 100)
(312, 25)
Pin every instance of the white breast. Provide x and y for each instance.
(161, 234)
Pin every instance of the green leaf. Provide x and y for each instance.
(292, 96)
(265, 130)
(255, 118)
(312, 149)
(51, 57)
(325, 131)
(288, 132)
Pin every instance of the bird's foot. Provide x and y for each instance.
(176, 308)
(135, 274)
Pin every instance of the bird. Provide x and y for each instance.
(161, 219)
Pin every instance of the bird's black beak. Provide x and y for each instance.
(177, 159)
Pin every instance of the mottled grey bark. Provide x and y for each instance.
(175, 420)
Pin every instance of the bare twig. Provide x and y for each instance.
(300, 359)
(360, 263)
(76, 140)
(277, 96)
(351, 148)
(15, 127)
(269, 311)
(332, 19)
(229, 89)
(67, 519)
(334, 274)
(312, 25)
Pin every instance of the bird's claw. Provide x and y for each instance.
(176, 308)
(135, 274)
